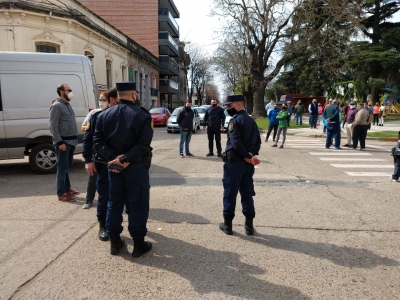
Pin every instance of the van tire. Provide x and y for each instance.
(43, 159)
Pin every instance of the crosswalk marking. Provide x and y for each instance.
(339, 153)
(370, 174)
(350, 159)
(378, 147)
(355, 166)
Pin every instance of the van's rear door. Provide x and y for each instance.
(3, 148)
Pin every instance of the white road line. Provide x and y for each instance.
(309, 146)
(339, 153)
(354, 166)
(350, 159)
(374, 174)
(378, 147)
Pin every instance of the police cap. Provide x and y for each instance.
(234, 98)
(126, 86)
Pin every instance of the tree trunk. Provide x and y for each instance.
(258, 109)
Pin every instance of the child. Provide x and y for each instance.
(396, 173)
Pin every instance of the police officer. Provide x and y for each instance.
(214, 120)
(93, 168)
(123, 136)
(243, 144)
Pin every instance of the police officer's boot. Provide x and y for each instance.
(248, 226)
(103, 236)
(140, 247)
(226, 227)
(116, 244)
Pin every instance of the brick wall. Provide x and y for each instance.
(138, 19)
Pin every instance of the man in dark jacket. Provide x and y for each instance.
(298, 113)
(313, 110)
(214, 120)
(273, 122)
(185, 122)
(331, 115)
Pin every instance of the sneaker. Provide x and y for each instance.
(338, 148)
(274, 145)
(219, 154)
(189, 154)
(181, 155)
(362, 149)
(73, 192)
(87, 205)
(281, 147)
(346, 145)
(66, 197)
(394, 180)
(208, 154)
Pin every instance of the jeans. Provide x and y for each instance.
(360, 133)
(283, 130)
(238, 177)
(211, 132)
(297, 117)
(396, 173)
(270, 127)
(313, 121)
(332, 132)
(185, 138)
(64, 163)
(91, 188)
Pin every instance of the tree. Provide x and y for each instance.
(277, 32)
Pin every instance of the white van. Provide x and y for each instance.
(28, 85)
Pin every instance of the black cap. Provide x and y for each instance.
(126, 86)
(352, 103)
(234, 98)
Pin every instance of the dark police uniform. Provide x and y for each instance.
(126, 129)
(214, 118)
(102, 174)
(243, 138)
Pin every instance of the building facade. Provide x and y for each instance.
(66, 26)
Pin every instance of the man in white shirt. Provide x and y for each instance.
(269, 106)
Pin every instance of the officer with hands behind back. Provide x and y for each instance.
(242, 145)
(123, 136)
(214, 119)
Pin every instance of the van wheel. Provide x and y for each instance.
(43, 159)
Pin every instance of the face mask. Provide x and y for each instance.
(352, 106)
(214, 105)
(284, 107)
(103, 104)
(70, 96)
(231, 111)
(187, 107)
(275, 108)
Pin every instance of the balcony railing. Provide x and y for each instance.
(164, 35)
(168, 86)
(165, 12)
(168, 66)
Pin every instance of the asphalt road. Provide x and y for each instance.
(327, 227)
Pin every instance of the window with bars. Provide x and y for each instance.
(47, 48)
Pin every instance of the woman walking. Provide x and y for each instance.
(376, 113)
(282, 127)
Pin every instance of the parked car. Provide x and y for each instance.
(202, 112)
(206, 106)
(160, 115)
(227, 119)
(172, 124)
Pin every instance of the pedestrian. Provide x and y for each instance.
(298, 113)
(382, 114)
(290, 111)
(313, 110)
(185, 122)
(319, 114)
(360, 127)
(368, 107)
(396, 159)
(270, 106)
(95, 168)
(242, 146)
(332, 117)
(376, 110)
(273, 122)
(64, 131)
(282, 126)
(122, 138)
(87, 123)
(326, 106)
(214, 120)
(350, 119)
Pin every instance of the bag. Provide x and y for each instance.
(395, 151)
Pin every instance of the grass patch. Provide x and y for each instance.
(390, 118)
(263, 124)
(383, 134)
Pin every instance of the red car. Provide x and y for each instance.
(160, 115)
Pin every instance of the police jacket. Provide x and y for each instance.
(243, 135)
(185, 119)
(87, 143)
(215, 116)
(124, 128)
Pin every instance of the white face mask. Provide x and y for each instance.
(353, 106)
(103, 104)
(70, 96)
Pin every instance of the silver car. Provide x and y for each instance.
(202, 112)
(173, 126)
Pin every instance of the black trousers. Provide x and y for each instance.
(214, 131)
(359, 134)
(270, 127)
(376, 119)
